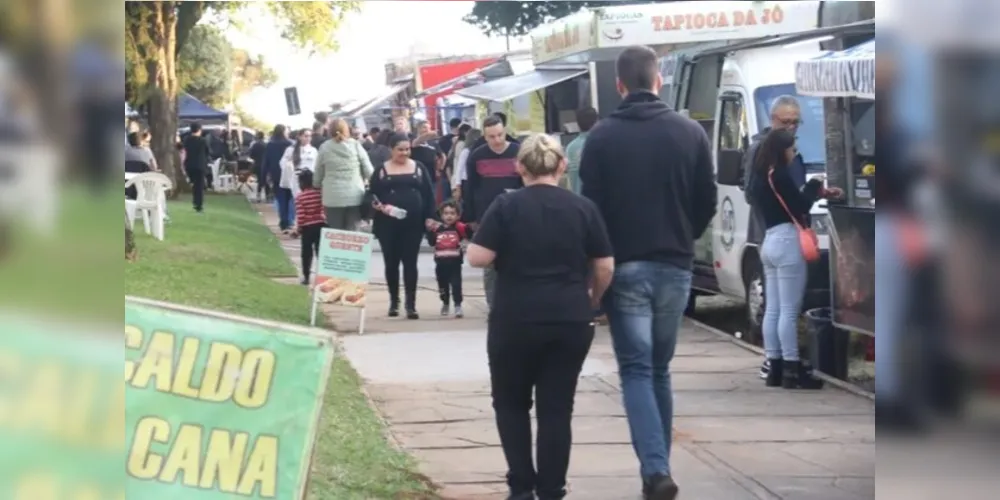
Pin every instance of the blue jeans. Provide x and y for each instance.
(785, 277)
(891, 293)
(285, 203)
(645, 307)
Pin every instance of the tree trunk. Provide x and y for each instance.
(162, 74)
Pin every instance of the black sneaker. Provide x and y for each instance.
(394, 311)
(412, 314)
(659, 487)
(775, 372)
(795, 376)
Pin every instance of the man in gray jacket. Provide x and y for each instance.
(786, 114)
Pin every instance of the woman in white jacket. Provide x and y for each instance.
(301, 156)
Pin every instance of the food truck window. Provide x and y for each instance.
(733, 130)
(811, 136)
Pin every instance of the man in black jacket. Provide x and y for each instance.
(649, 170)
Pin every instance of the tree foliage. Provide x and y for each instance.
(519, 18)
(157, 30)
(250, 72)
(205, 66)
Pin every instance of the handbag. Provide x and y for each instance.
(808, 241)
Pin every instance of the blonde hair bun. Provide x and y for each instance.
(541, 155)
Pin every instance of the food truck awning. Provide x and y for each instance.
(505, 89)
(847, 73)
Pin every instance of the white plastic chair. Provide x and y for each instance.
(216, 166)
(150, 202)
(225, 183)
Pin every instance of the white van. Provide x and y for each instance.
(729, 90)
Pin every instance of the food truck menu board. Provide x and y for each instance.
(852, 266)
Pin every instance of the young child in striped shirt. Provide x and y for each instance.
(310, 220)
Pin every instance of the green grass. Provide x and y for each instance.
(225, 259)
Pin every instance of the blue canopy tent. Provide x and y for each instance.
(847, 73)
(190, 109)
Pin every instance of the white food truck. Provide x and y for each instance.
(724, 63)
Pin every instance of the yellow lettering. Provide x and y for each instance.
(254, 384)
(37, 487)
(87, 493)
(157, 362)
(185, 368)
(184, 457)
(10, 366)
(219, 379)
(262, 468)
(114, 429)
(133, 340)
(79, 407)
(223, 460)
(40, 408)
(142, 462)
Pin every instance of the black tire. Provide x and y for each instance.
(755, 300)
(692, 304)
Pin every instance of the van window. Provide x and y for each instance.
(733, 128)
(812, 138)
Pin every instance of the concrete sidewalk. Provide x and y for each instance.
(734, 438)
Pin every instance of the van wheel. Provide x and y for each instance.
(692, 304)
(756, 301)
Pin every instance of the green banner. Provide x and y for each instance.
(62, 410)
(219, 407)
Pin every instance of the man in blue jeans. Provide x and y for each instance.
(649, 170)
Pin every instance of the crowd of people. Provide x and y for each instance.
(607, 226)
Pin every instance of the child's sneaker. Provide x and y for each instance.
(458, 312)
(445, 310)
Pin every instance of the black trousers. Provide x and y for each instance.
(400, 241)
(197, 177)
(310, 236)
(546, 358)
(449, 278)
(262, 185)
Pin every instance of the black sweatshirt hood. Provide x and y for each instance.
(641, 106)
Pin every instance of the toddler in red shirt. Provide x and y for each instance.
(447, 240)
(310, 220)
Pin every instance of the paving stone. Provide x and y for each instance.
(472, 433)
(422, 358)
(481, 408)
(463, 389)
(819, 488)
(838, 429)
(797, 459)
(775, 403)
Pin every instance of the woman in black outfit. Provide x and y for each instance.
(401, 183)
(785, 268)
(544, 242)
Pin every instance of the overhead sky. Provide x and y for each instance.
(383, 30)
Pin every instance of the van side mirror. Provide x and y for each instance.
(730, 172)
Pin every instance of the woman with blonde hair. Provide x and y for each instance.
(553, 262)
(342, 167)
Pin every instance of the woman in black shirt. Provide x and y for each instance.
(544, 242)
(401, 183)
(773, 192)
